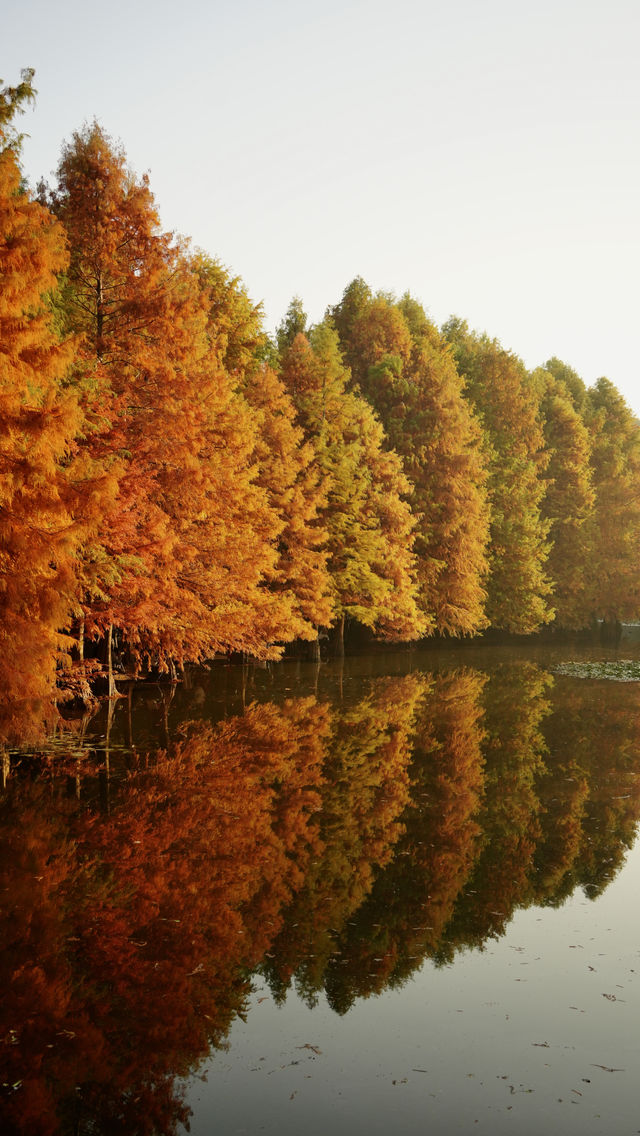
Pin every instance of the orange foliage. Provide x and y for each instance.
(179, 560)
(39, 526)
(297, 492)
(129, 956)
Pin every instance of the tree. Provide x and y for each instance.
(296, 490)
(504, 398)
(614, 529)
(569, 500)
(370, 541)
(234, 322)
(571, 379)
(419, 397)
(12, 100)
(294, 323)
(39, 527)
(286, 466)
(179, 564)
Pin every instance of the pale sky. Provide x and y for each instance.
(482, 154)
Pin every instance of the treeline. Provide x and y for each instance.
(172, 477)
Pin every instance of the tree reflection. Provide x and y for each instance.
(515, 704)
(129, 940)
(365, 793)
(592, 791)
(403, 919)
(334, 846)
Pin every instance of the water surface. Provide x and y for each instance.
(397, 893)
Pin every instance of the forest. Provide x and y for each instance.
(177, 485)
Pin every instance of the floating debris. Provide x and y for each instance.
(620, 670)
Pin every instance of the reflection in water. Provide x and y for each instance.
(333, 842)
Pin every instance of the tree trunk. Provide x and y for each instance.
(167, 699)
(113, 693)
(104, 775)
(314, 649)
(339, 640)
(81, 639)
(129, 716)
(340, 675)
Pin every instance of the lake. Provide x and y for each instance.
(396, 892)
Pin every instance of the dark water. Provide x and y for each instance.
(398, 894)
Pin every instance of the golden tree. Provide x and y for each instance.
(39, 420)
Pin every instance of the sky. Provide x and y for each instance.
(483, 155)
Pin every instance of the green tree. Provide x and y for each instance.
(571, 379)
(504, 397)
(432, 427)
(369, 525)
(614, 530)
(296, 490)
(294, 323)
(569, 500)
(407, 372)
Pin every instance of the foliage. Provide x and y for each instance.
(505, 399)
(569, 499)
(614, 529)
(369, 526)
(40, 509)
(406, 371)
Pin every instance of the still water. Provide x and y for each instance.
(393, 894)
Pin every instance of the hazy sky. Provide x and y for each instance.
(482, 154)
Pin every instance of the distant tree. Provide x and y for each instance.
(505, 400)
(370, 328)
(407, 372)
(180, 560)
(370, 542)
(234, 321)
(294, 323)
(569, 500)
(285, 463)
(297, 491)
(12, 102)
(571, 379)
(614, 530)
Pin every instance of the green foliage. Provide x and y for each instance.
(370, 539)
(406, 371)
(506, 402)
(12, 102)
(614, 529)
(294, 323)
(569, 500)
